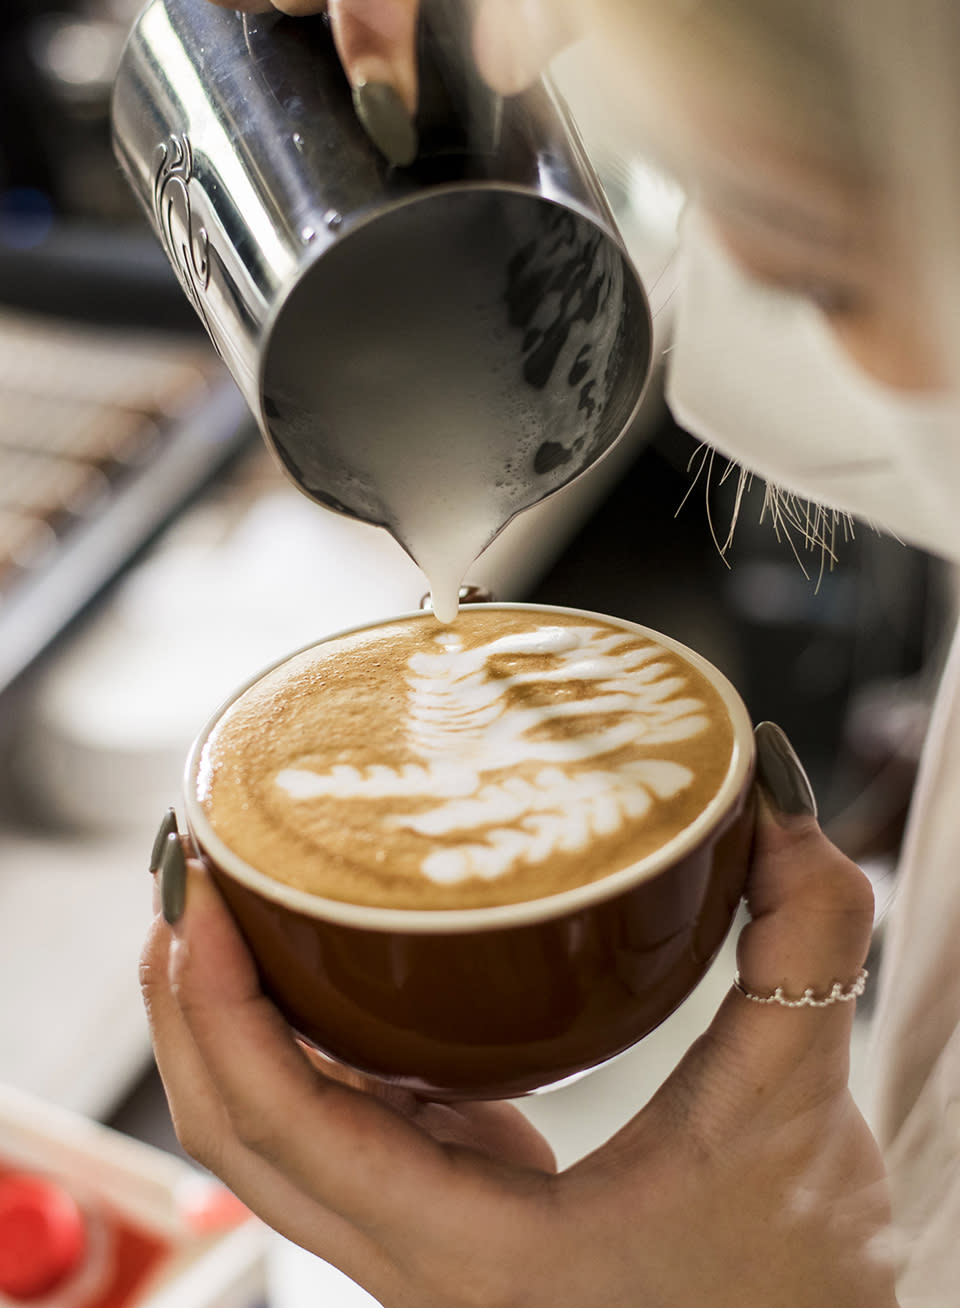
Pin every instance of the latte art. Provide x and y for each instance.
(413, 765)
(470, 739)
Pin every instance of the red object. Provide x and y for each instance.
(43, 1237)
(213, 1208)
(45, 1249)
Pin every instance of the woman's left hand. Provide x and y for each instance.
(750, 1180)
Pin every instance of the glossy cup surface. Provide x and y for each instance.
(497, 1002)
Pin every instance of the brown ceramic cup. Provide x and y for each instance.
(497, 1002)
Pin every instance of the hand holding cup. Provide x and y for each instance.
(476, 860)
(749, 1179)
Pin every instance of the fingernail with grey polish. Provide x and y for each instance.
(167, 827)
(173, 880)
(384, 118)
(781, 773)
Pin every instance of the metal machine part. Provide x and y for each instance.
(102, 436)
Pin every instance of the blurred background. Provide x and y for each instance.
(151, 557)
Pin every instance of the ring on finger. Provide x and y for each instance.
(837, 994)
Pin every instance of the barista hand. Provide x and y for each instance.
(749, 1180)
(376, 40)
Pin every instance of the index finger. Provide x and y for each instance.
(197, 1113)
(377, 45)
(376, 40)
(346, 1149)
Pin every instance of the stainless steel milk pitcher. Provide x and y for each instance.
(483, 290)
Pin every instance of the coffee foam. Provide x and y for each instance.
(507, 757)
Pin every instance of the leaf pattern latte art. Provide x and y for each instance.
(476, 715)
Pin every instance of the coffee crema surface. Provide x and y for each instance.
(507, 757)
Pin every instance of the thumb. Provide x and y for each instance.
(811, 912)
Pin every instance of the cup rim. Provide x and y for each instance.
(408, 921)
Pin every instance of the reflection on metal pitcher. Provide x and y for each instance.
(187, 245)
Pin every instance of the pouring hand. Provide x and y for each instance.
(376, 40)
(750, 1179)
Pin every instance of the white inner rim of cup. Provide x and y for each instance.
(457, 920)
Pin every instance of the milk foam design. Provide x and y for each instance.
(467, 731)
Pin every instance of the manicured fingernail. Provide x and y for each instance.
(781, 773)
(173, 880)
(167, 826)
(385, 119)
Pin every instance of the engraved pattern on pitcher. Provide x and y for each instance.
(186, 242)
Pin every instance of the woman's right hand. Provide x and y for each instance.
(376, 41)
(375, 38)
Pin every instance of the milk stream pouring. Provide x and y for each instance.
(431, 349)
